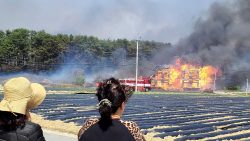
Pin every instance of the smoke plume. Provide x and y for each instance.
(222, 39)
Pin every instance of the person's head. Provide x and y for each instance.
(20, 95)
(112, 97)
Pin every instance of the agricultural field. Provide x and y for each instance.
(183, 117)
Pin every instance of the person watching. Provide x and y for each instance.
(20, 95)
(112, 98)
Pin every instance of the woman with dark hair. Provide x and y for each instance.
(112, 98)
(19, 97)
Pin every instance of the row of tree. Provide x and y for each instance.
(28, 50)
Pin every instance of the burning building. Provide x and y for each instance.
(184, 77)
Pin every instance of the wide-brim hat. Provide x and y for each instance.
(38, 95)
(21, 95)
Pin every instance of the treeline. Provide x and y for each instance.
(28, 50)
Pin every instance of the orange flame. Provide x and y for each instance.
(180, 77)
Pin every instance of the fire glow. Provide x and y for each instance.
(185, 76)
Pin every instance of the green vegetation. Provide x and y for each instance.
(79, 78)
(64, 88)
(174, 93)
(27, 50)
(238, 93)
(69, 89)
(232, 88)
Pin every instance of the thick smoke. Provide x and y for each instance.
(222, 39)
(96, 68)
(77, 62)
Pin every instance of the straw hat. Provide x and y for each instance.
(21, 95)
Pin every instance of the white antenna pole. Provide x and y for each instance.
(247, 86)
(215, 77)
(136, 71)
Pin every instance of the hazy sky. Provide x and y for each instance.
(159, 20)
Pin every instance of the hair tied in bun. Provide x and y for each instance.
(104, 102)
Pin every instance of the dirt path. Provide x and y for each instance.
(58, 136)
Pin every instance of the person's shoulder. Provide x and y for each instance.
(134, 130)
(30, 128)
(130, 124)
(88, 123)
(32, 125)
(32, 131)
